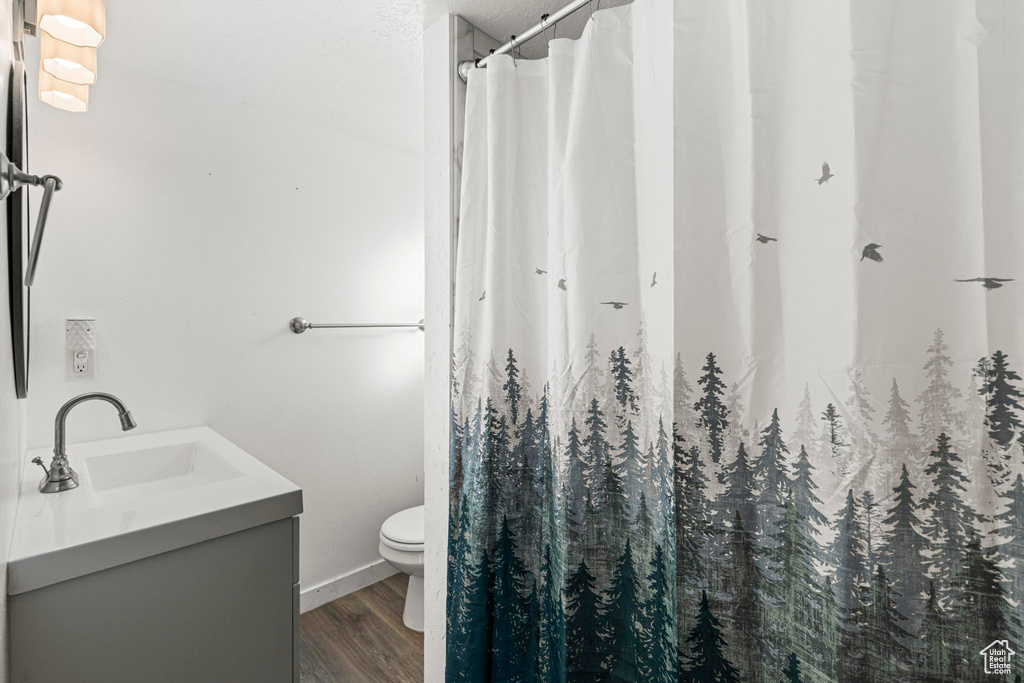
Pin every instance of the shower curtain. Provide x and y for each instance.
(738, 343)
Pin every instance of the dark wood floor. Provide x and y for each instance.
(360, 638)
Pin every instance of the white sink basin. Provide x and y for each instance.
(139, 496)
(155, 471)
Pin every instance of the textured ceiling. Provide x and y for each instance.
(502, 18)
(352, 65)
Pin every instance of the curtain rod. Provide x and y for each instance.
(546, 22)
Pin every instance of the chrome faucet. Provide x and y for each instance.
(60, 476)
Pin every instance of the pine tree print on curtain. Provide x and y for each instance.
(882, 582)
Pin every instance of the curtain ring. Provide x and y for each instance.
(544, 21)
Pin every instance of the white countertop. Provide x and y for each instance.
(60, 536)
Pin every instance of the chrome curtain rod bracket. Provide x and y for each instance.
(299, 325)
(545, 23)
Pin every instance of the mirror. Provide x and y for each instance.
(18, 234)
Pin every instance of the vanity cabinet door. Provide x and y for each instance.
(221, 610)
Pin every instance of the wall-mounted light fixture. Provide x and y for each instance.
(67, 62)
(79, 22)
(63, 94)
(69, 32)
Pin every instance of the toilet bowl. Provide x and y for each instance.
(401, 544)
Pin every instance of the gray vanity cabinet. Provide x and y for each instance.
(219, 611)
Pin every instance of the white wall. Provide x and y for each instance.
(193, 227)
(12, 411)
(446, 42)
(440, 177)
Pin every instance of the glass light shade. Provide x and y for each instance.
(79, 22)
(68, 62)
(61, 94)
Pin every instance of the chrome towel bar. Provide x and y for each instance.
(13, 179)
(300, 325)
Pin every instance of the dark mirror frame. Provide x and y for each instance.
(18, 231)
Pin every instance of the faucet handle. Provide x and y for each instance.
(39, 461)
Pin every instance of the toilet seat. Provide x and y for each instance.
(404, 530)
(403, 547)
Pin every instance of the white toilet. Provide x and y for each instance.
(401, 544)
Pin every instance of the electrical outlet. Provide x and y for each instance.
(80, 348)
(80, 363)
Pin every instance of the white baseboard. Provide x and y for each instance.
(329, 591)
